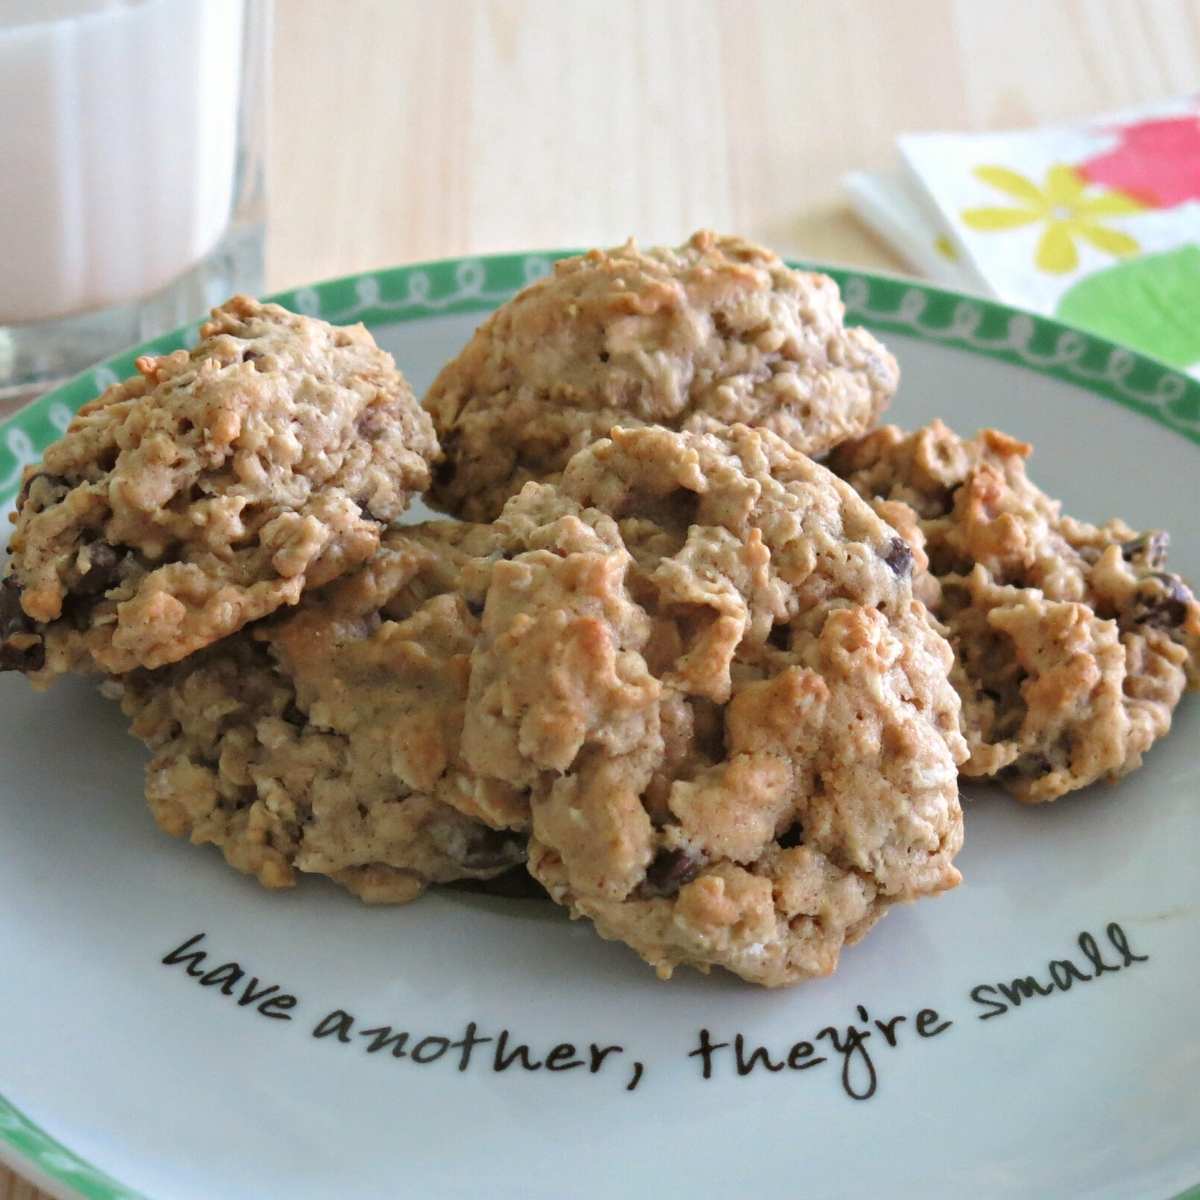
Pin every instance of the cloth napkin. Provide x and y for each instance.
(1096, 223)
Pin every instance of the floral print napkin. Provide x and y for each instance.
(1096, 223)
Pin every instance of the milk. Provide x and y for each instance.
(118, 147)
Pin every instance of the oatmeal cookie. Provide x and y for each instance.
(205, 492)
(322, 743)
(716, 704)
(1073, 642)
(716, 332)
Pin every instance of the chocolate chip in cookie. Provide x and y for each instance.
(489, 849)
(101, 567)
(50, 488)
(21, 646)
(1163, 601)
(899, 556)
(669, 871)
(791, 837)
(1147, 549)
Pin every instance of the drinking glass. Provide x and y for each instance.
(132, 140)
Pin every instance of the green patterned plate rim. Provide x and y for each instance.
(892, 304)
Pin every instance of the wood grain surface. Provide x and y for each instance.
(404, 129)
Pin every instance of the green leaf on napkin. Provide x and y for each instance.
(1150, 303)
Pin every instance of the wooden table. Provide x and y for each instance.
(467, 126)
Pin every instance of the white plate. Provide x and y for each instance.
(117, 1067)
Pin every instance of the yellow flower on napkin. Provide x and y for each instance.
(945, 247)
(1067, 212)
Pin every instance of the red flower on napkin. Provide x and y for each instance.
(1156, 161)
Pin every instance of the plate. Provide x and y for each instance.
(1032, 1033)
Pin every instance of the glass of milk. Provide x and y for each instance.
(132, 140)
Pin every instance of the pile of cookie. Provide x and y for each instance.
(710, 694)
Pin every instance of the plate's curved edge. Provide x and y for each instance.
(460, 285)
(51, 1164)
